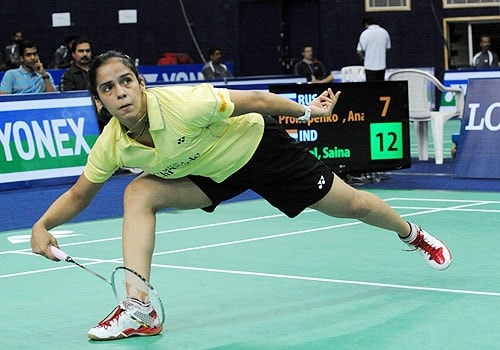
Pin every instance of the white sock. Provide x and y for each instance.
(138, 304)
(413, 233)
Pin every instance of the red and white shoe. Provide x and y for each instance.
(120, 324)
(434, 252)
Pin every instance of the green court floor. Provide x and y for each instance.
(247, 277)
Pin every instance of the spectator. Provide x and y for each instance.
(30, 77)
(62, 56)
(373, 44)
(485, 58)
(11, 53)
(76, 76)
(310, 67)
(214, 69)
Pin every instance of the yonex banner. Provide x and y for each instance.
(175, 73)
(479, 141)
(45, 135)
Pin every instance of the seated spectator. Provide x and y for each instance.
(215, 69)
(76, 76)
(11, 52)
(30, 77)
(311, 68)
(62, 56)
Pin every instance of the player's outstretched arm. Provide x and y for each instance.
(64, 208)
(272, 104)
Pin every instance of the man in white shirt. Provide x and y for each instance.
(373, 44)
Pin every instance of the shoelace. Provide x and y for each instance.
(434, 253)
(106, 323)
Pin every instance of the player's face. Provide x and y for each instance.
(120, 91)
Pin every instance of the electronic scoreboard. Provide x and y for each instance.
(368, 130)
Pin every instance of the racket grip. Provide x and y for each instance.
(58, 253)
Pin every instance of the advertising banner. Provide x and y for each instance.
(45, 135)
(479, 141)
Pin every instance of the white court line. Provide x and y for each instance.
(293, 233)
(188, 228)
(465, 210)
(433, 210)
(269, 275)
(254, 239)
(456, 207)
(329, 280)
(427, 210)
(65, 266)
(231, 222)
(261, 238)
(442, 200)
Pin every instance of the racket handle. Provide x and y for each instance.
(58, 253)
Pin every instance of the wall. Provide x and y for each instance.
(259, 36)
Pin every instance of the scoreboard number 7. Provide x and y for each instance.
(387, 101)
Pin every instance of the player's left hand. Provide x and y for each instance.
(323, 105)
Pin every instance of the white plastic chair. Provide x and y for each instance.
(421, 87)
(353, 73)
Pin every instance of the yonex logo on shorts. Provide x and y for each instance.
(321, 182)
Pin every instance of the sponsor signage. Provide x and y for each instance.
(479, 141)
(175, 73)
(45, 136)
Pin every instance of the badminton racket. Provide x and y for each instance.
(129, 287)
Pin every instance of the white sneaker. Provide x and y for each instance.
(120, 324)
(435, 252)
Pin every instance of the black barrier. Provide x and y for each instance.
(368, 130)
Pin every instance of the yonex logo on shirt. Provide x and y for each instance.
(181, 140)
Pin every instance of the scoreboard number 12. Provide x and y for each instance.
(386, 141)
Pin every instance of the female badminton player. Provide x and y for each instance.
(198, 146)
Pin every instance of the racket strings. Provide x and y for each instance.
(137, 297)
(132, 292)
(142, 312)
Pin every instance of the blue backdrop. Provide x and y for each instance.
(479, 142)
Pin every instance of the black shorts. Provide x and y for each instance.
(281, 170)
